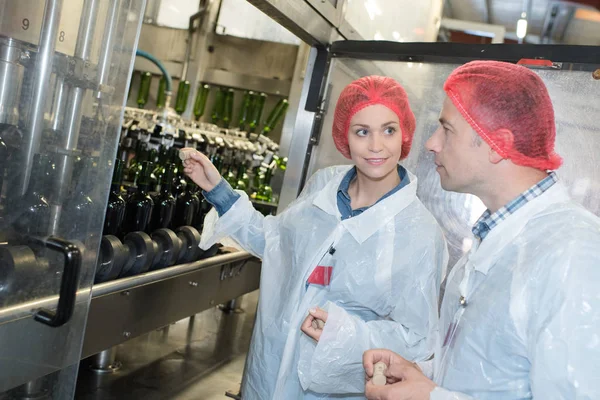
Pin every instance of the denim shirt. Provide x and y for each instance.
(343, 198)
(222, 196)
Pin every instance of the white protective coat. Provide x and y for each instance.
(531, 326)
(384, 290)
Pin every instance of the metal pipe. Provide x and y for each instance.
(59, 103)
(11, 76)
(83, 49)
(107, 41)
(43, 68)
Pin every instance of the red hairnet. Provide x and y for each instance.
(368, 91)
(509, 107)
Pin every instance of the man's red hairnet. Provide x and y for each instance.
(509, 107)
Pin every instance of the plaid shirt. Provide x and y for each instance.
(489, 221)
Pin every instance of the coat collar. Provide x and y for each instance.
(369, 222)
(484, 256)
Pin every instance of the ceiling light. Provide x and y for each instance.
(521, 28)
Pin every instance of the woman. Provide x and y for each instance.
(357, 243)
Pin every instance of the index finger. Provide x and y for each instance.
(201, 158)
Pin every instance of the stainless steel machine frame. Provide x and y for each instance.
(64, 73)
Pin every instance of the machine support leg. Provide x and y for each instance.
(105, 361)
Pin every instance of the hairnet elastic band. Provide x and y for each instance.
(455, 100)
(553, 158)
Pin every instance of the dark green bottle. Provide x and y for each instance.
(257, 178)
(204, 208)
(161, 96)
(115, 211)
(186, 207)
(164, 202)
(246, 109)
(265, 192)
(228, 110)
(163, 160)
(135, 168)
(242, 179)
(275, 116)
(144, 92)
(230, 176)
(35, 215)
(217, 161)
(200, 103)
(219, 107)
(257, 112)
(138, 210)
(183, 93)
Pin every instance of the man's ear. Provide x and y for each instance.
(504, 139)
(494, 157)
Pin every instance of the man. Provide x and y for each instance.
(520, 317)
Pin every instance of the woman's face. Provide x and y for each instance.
(375, 141)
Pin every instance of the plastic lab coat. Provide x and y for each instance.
(531, 324)
(388, 263)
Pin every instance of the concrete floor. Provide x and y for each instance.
(195, 359)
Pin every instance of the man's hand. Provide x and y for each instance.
(405, 381)
(199, 168)
(313, 330)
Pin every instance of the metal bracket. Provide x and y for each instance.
(316, 101)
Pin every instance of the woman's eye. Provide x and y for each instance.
(362, 132)
(390, 130)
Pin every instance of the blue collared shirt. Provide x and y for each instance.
(489, 221)
(222, 196)
(343, 198)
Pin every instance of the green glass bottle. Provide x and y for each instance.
(228, 109)
(243, 181)
(138, 210)
(164, 202)
(257, 178)
(257, 112)
(186, 207)
(115, 211)
(275, 116)
(135, 168)
(218, 108)
(246, 109)
(200, 103)
(161, 96)
(265, 192)
(163, 159)
(230, 176)
(183, 93)
(144, 92)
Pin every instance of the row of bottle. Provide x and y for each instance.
(235, 171)
(143, 211)
(250, 113)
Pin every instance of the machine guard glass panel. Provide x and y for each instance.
(64, 73)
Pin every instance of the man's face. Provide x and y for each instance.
(461, 156)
